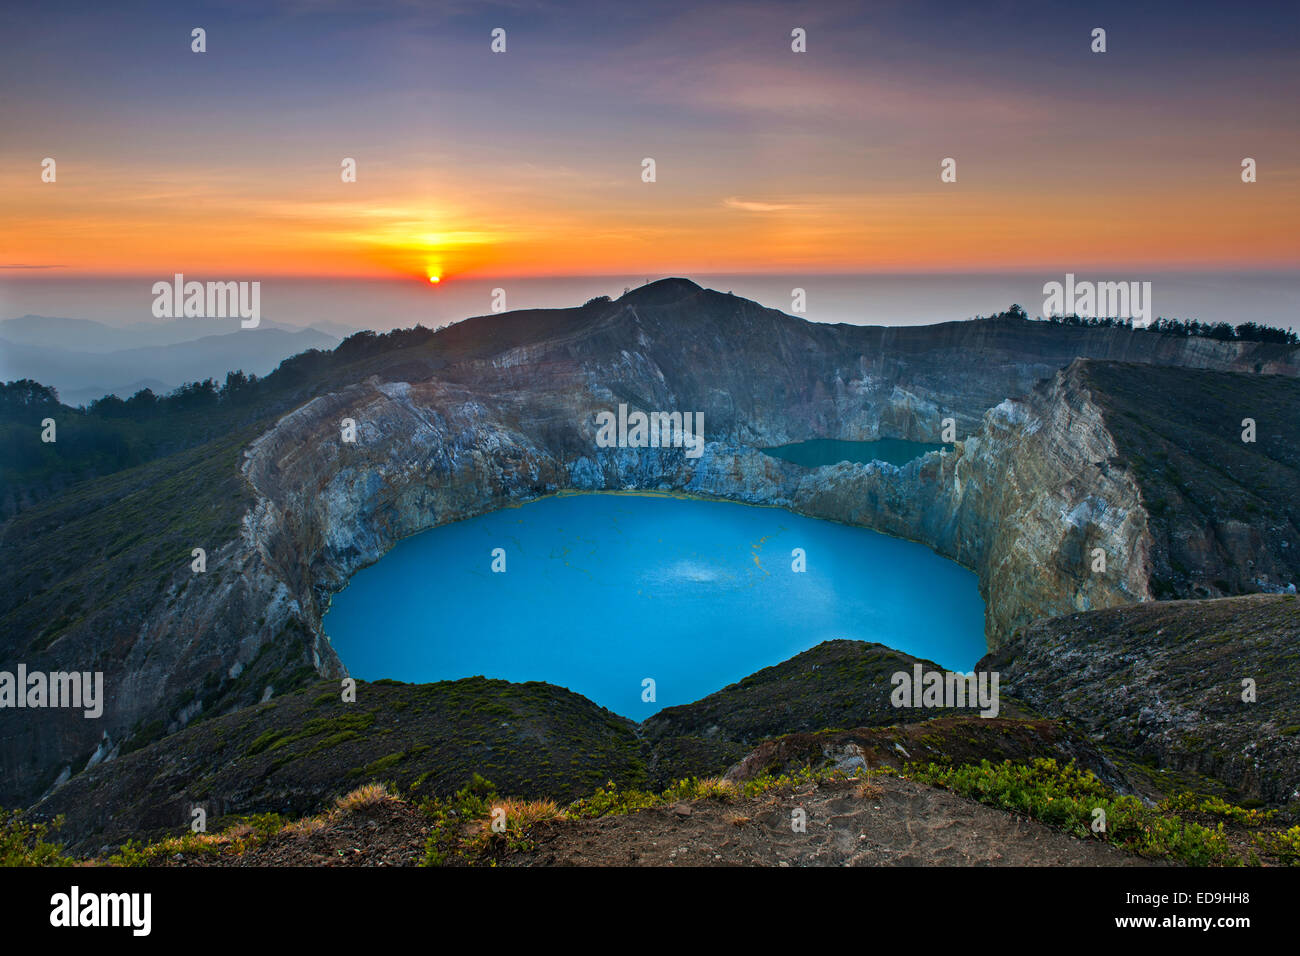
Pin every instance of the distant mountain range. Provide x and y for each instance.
(86, 360)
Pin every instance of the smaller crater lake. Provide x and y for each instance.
(830, 451)
(603, 590)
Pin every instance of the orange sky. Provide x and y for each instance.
(91, 226)
(529, 163)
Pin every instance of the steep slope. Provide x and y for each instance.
(835, 684)
(296, 753)
(1223, 512)
(1166, 681)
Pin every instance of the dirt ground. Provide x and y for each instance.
(390, 833)
(895, 823)
(890, 822)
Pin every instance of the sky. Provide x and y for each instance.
(475, 165)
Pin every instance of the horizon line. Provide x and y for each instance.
(49, 272)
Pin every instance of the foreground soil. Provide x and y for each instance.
(887, 822)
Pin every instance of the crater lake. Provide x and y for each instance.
(601, 592)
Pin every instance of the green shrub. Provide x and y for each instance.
(1068, 796)
(1284, 845)
(25, 844)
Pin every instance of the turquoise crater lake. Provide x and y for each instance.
(603, 590)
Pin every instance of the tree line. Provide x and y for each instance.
(1219, 331)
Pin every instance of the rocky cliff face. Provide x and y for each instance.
(1024, 499)
(1030, 502)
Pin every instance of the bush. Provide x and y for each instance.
(1068, 797)
(25, 844)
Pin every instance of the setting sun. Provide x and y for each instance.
(435, 279)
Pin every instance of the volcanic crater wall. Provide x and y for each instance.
(1024, 501)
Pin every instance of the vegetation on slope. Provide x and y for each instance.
(300, 750)
(1164, 682)
(1180, 432)
(837, 684)
(1070, 798)
(106, 546)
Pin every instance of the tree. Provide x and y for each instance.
(142, 404)
(26, 393)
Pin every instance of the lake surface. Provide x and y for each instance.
(830, 451)
(602, 591)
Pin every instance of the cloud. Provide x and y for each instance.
(750, 205)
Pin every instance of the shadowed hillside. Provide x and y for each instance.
(1163, 681)
(1212, 498)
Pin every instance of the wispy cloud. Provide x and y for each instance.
(751, 205)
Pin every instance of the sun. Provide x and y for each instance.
(435, 279)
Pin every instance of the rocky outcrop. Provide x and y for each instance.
(953, 740)
(1218, 462)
